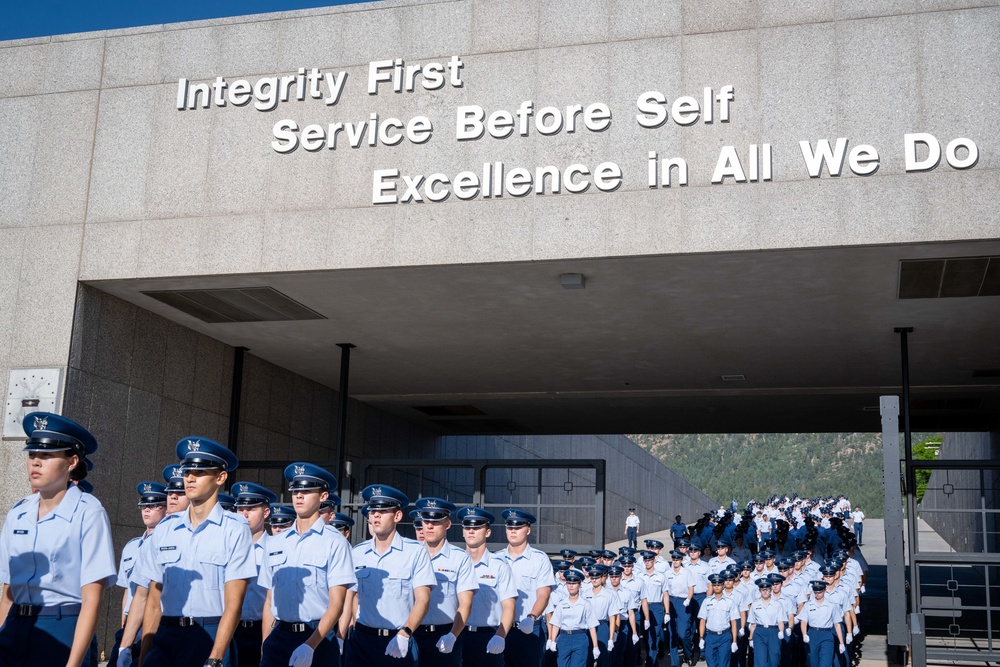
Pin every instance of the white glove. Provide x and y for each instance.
(398, 647)
(848, 638)
(596, 653)
(496, 645)
(611, 644)
(666, 619)
(742, 632)
(645, 624)
(550, 645)
(301, 657)
(862, 588)
(701, 644)
(840, 648)
(635, 639)
(857, 609)
(526, 625)
(446, 643)
(687, 601)
(734, 647)
(340, 645)
(751, 643)
(124, 657)
(805, 637)
(857, 630)
(788, 631)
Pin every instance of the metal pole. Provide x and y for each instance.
(897, 634)
(236, 398)
(911, 479)
(345, 375)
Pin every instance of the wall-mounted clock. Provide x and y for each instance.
(30, 390)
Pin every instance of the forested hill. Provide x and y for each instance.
(727, 466)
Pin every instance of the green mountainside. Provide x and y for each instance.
(745, 466)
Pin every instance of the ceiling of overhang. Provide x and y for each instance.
(642, 348)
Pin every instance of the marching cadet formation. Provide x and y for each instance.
(206, 584)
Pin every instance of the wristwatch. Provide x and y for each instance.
(213, 662)
(532, 617)
(409, 633)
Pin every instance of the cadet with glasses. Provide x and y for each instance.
(56, 553)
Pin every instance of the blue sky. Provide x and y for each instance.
(36, 18)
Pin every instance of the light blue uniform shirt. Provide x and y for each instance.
(605, 604)
(629, 598)
(788, 604)
(194, 563)
(454, 574)
(48, 561)
(532, 570)
(677, 583)
(767, 615)
(652, 587)
(300, 570)
(385, 582)
(578, 616)
(717, 565)
(130, 558)
(819, 615)
(496, 584)
(699, 575)
(718, 612)
(253, 602)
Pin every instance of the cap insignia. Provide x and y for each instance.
(41, 423)
(377, 491)
(147, 488)
(194, 445)
(300, 470)
(242, 489)
(432, 503)
(178, 473)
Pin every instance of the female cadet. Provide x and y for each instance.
(607, 607)
(767, 625)
(572, 620)
(55, 553)
(821, 617)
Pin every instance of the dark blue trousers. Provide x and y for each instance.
(365, 650)
(247, 641)
(32, 641)
(717, 648)
(766, 647)
(280, 644)
(573, 650)
(678, 630)
(525, 650)
(603, 635)
(623, 642)
(186, 647)
(655, 638)
(822, 647)
(136, 647)
(691, 645)
(473, 648)
(430, 656)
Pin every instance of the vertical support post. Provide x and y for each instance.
(896, 634)
(345, 376)
(910, 475)
(236, 399)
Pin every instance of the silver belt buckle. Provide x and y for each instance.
(24, 610)
(299, 627)
(471, 628)
(185, 622)
(383, 632)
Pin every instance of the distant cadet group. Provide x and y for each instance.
(207, 584)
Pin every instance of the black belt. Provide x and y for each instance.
(720, 632)
(52, 610)
(299, 627)
(480, 628)
(434, 628)
(186, 621)
(571, 632)
(379, 632)
(249, 624)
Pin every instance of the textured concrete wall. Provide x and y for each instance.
(968, 491)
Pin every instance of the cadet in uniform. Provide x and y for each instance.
(306, 572)
(767, 624)
(451, 600)
(176, 500)
(342, 524)
(493, 604)
(722, 560)
(197, 563)
(56, 554)
(819, 621)
(652, 607)
(282, 517)
(678, 590)
(678, 530)
(700, 572)
(418, 525)
(632, 528)
(534, 581)
(608, 608)
(572, 620)
(253, 502)
(628, 635)
(717, 625)
(394, 580)
(228, 502)
(153, 507)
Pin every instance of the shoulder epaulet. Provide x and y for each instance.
(139, 537)
(19, 502)
(233, 516)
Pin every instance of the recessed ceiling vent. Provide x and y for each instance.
(244, 304)
(950, 277)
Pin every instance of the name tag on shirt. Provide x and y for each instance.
(20, 532)
(276, 553)
(172, 547)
